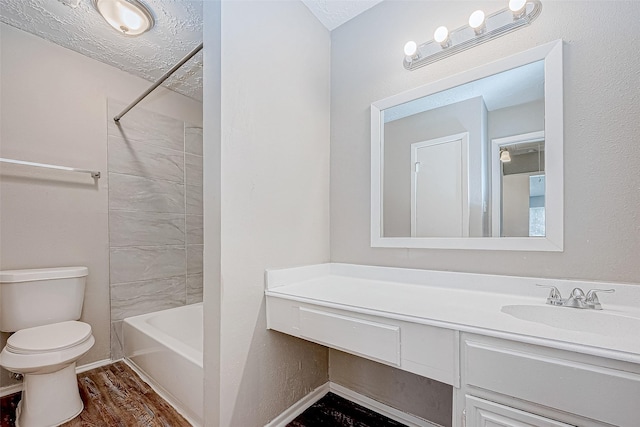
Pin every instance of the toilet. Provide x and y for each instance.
(42, 306)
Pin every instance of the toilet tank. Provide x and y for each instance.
(40, 296)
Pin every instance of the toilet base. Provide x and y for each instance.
(49, 399)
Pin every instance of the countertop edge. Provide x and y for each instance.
(512, 336)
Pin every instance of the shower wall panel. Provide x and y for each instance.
(193, 210)
(155, 215)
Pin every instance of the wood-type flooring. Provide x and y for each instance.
(113, 396)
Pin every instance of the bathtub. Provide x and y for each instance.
(166, 347)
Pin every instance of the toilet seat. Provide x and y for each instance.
(49, 338)
(47, 348)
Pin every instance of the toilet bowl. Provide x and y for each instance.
(46, 356)
(45, 351)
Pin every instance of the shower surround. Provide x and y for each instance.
(155, 215)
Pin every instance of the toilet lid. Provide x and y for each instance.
(47, 338)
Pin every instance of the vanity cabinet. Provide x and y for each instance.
(547, 366)
(514, 382)
(421, 349)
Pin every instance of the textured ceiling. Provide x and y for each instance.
(76, 25)
(333, 13)
(178, 30)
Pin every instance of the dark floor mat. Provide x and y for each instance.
(334, 411)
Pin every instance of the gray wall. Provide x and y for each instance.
(212, 169)
(274, 199)
(414, 394)
(53, 109)
(601, 107)
(601, 153)
(516, 120)
(155, 215)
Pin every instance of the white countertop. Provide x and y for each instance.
(465, 302)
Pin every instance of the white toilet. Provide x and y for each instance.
(42, 307)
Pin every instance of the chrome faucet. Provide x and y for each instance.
(577, 299)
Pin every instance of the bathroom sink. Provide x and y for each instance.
(590, 321)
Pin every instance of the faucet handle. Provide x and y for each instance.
(592, 298)
(554, 297)
(577, 293)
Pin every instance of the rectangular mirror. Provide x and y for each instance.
(473, 161)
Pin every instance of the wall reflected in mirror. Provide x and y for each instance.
(442, 175)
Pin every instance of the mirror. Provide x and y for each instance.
(473, 161)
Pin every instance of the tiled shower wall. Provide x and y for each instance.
(155, 215)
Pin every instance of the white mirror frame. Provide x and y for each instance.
(551, 53)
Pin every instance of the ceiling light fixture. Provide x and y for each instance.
(128, 17)
(480, 29)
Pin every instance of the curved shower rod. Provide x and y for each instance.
(161, 80)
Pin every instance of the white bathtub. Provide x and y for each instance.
(167, 347)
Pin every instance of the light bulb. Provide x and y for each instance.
(517, 6)
(441, 35)
(505, 157)
(476, 21)
(410, 48)
(131, 19)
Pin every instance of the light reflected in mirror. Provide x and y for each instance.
(473, 161)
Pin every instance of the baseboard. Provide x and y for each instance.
(93, 365)
(15, 388)
(299, 407)
(381, 408)
(10, 389)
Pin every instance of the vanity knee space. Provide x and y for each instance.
(424, 350)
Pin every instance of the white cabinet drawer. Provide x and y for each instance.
(374, 340)
(554, 379)
(483, 413)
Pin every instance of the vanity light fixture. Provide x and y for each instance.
(480, 29)
(128, 17)
(505, 157)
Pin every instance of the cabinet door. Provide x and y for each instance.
(588, 387)
(483, 413)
